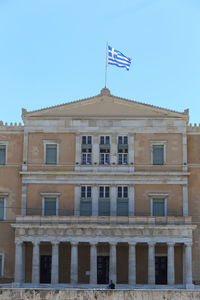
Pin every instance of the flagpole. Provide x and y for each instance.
(106, 64)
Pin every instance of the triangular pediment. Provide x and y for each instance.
(102, 105)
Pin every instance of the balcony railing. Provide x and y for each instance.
(41, 220)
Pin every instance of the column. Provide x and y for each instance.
(95, 200)
(77, 200)
(113, 200)
(132, 264)
(170, 265)
(188, 265)
(74, 263)
(36, 263)
(25, 151)
(93, 263)
(151, 263)
(131, 149)
(95, 150)
(113, 149)
(112, 263)
(185, 200)
(55, 263)
(131, 200)
(23, 198)
(184, 151)
(18, 262)
(78, 149)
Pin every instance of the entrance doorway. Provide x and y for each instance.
(102, 269)
(45, 269)
(161, 269)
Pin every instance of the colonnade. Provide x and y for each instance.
(20, 266)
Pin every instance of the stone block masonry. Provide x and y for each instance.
(72, 294)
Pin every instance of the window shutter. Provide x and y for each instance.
(1, 263)
(1, 209)
(2, 154)
(51, 154)
(158, 154)
(86, 207)
(50, 207)
(104, 207)
(122, 207)
(159, 207)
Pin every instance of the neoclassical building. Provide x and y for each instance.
(98, 189)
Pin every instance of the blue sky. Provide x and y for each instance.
(53, 51)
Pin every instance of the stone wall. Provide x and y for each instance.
(73, 294)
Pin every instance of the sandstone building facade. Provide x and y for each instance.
(97, 189)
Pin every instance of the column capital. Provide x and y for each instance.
(151, 244)
(55, 243)
(74, 243)
(188, 244)
(132, 244)
(36, 243)
(93, 243)
(18, 243)
(171, 244)
(113, 243)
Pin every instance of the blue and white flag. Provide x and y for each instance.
(118, 59)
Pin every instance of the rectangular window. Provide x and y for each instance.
(158, 154)
(158, 207)
(51, 154)
(86, 149)
(50, 206)
(2, 154)
(2, 209)
(104, 149)
(122, 150)
(122, 201)
(104, 201)
(1, 264)
(86, 201)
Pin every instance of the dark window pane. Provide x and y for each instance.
(107, 192)
(89, 140)
(119, 192)
(89, 192)
(125, 140)
(107, 140)
(125, 192)
(158, 154)
(83, 140)
(101, 140)
(158, 207)
(1, 209)
(120, 140)
(2, 154)
(51, 154)
(83, 192)
(101, 192)
(50, 207)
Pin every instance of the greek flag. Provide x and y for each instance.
(118, 59)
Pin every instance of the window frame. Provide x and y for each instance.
(5, 143)
(87, 153)
(86, 191)
(50, 195)
(158, 143)
(159, 196)
(51, 142)
(4, 207)
(2, 267)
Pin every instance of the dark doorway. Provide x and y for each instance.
(161, 269)
(45, 269)
(102, 269)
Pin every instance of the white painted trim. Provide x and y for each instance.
(43, 203)
(2, 268)
(51, 142)
(5, 143)
(165, 205)
(159, 143)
